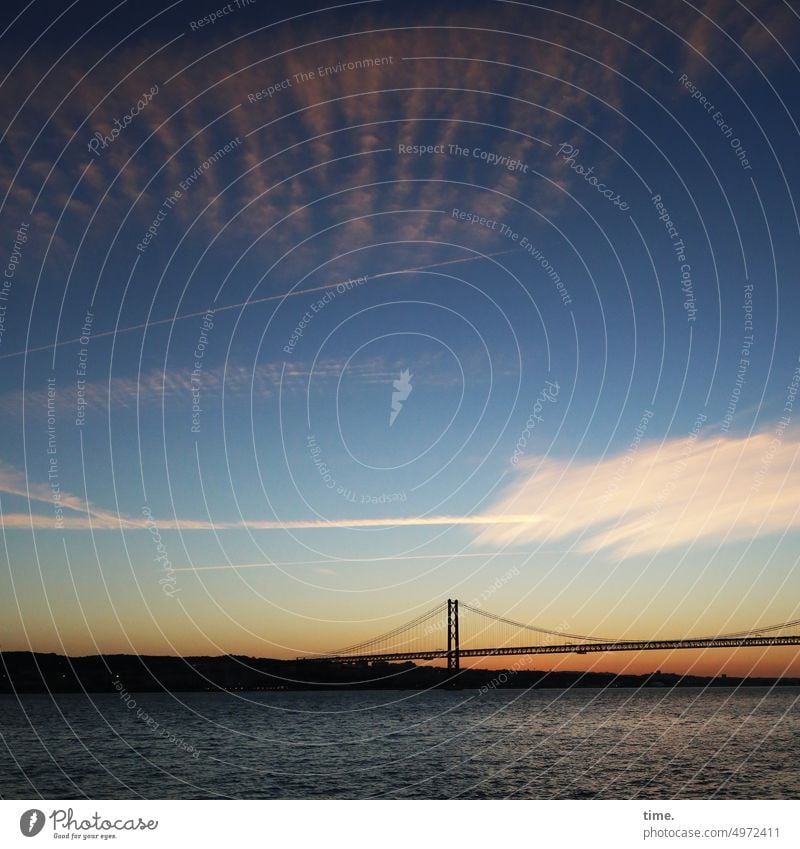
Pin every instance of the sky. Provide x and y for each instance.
(311, 322)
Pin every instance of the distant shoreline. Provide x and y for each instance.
(778, 683)
(35, 672)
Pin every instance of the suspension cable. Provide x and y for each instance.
(357, 648)
(734, 634)
(533, 627)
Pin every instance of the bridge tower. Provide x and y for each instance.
(453, 647)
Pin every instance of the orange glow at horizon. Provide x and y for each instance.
(767, 662)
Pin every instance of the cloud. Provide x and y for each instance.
(163, 386)
(698, 489)
(717, 30)
(101, 520)
(12, 482)
(481, 76)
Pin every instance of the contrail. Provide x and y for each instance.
(265, 299)
(400, 521)
(106, 521)
(337, 561)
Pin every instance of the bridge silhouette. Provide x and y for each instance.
(445, 632)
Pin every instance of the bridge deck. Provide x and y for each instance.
(568, 648)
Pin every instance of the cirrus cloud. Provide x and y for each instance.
(704, 488)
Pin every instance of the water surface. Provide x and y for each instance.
(580, 743)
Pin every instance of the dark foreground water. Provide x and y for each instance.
(684, 743)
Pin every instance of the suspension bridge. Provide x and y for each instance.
(452, 632)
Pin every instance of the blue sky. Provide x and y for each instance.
(291, 458)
